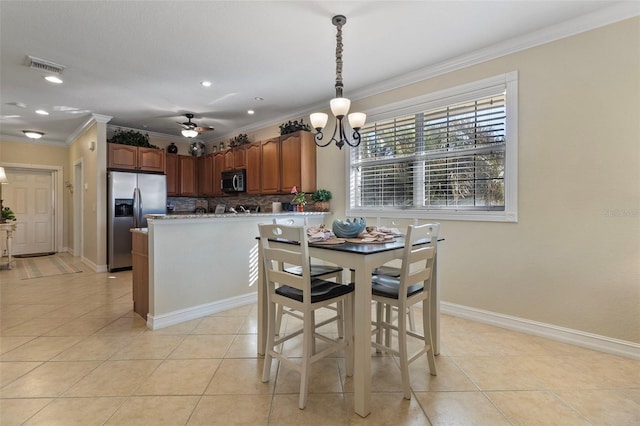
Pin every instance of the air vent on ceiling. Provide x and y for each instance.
(44, 65)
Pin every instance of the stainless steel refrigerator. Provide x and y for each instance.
(131, 196)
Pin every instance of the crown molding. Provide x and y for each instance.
(618, 12)
(172, 138)
(95, 118)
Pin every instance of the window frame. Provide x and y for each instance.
(486, 87)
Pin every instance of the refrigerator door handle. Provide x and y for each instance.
(136, 207)
(139, 219)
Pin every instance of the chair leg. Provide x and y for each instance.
(340, 307)
(271, 333)
(379, 306)
(404, 357)
(279, 319)
(313, 331)
(307, 352)
(428, 339)
(387, 319)
(412, 323)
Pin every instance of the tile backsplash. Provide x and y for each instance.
(186, 204)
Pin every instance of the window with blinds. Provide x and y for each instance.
(447, 156)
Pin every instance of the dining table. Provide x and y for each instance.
(362, 259)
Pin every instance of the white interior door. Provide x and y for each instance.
(30, 195)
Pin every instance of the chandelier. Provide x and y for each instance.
(339, 105)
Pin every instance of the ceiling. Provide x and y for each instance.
(142, 62)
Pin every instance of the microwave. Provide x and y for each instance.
(234, 181)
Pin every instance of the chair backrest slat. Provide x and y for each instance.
(418, 256)
(294, 254)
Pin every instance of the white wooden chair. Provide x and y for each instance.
(394, 271)
(325, 272)
(305, 295)
(410, 288)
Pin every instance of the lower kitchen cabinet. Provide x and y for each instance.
(140, 272)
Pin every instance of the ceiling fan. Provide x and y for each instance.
(191, 129)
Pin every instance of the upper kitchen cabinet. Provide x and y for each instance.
(136, 158)
(254, 167)
(235, 158)
(205, 175)
(298, 162)
(270, 170)
(182, 176)
(218, 166)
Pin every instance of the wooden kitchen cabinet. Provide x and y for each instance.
(240, 157)
(270, 166)
(137, 158)
(235, 158)
(140, 272)
(182, 178)
(218, 165)
(205, 175)
(253, 166)
(298, 162)
(228, 159)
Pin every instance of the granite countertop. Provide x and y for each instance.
(186, 215)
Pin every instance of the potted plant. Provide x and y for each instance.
(299, 198)
(7, 215)
(321, 199)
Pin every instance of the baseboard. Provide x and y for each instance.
(176, 317)
(93, 266)
(550, 331)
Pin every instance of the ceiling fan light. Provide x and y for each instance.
(340, 106)
(32, 134)
(189, 133)
(318, 120)
(357, 119)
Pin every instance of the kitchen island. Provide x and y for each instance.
(201, 264)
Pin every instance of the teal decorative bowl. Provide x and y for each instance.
(349, 228)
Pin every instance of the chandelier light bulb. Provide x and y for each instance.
(319, 120)
(357, 119)
(340, 106)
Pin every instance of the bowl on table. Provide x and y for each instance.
(349, 228)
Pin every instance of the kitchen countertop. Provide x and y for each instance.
(185, 215)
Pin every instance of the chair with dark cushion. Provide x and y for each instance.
(326, 272)
(305, 295)
(412, 287)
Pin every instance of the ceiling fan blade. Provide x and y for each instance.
(203, 129)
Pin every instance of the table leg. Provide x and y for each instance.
(9, 247)
(362, 340)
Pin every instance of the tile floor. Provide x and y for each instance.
(72, 352)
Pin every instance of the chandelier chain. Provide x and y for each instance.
(339, 84)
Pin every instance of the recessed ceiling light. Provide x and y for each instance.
(206, 83)
(32, 134)
(251, 112)
(258, 98)
(41, 112)
(53, 79)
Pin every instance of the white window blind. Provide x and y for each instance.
(447, 158)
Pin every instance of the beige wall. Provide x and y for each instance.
(573, 259)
